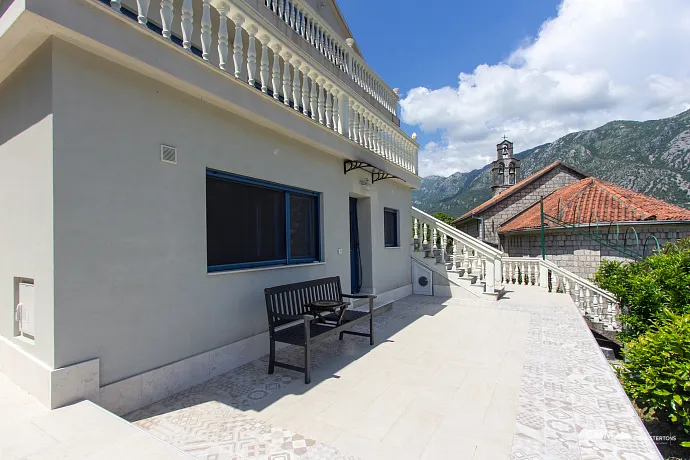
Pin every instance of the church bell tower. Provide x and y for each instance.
(505, 171)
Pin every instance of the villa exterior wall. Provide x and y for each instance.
(582, 255)
(26, 202)
(132, 287)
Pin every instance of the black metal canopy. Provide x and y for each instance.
(377, 174)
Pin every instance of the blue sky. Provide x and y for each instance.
(470, 71)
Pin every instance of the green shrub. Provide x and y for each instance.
(644, 289)
(656, 371)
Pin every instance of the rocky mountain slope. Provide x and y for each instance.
(651, 157)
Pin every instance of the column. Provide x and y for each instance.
(344, 122)
(205, 29)
(314, 97)
(187, 24)
(287, 80)
(251, 55)
(305, 91)
(223, 38)
(264, 63)
(166, 17)
(143, 10)
(296, 88)
(322, 102)
(238, 46)
(329, 106)
(275, 81)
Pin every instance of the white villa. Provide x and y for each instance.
(163, 162)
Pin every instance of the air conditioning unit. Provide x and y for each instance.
(422, 280)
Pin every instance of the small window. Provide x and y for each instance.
(501, 175)
(390, 228)
(252, 223)
(511, 174)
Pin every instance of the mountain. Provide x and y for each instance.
(651, 157)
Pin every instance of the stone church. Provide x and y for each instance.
(586, 219)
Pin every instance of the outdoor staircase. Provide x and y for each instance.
(470, 267)
(473, 268)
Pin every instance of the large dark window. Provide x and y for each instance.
(251, 223)
(390, 228)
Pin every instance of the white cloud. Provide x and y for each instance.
(596, 61)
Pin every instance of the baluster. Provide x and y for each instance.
(115, 4)
(238, 46)
(336, 109)
(281, 9)
(355, 122)
(293, 21)
(329, 106)
(372, 133)
(296, 87)
(351, 120)
(465, 258)
(314, 97)
(362, 126)
(166, 17)
(251, 55)
(455, 254)
(576, 294)
(223, 38)
(588, 302)
(187, 24)
(143, 11)
(287, 79)
(265, 39)
(444, 244)
(594, 314)
(275, 81)
(322, 102)
(503, 271)
(424, 233)
(415, 224)
(206, 29)
(305, 91)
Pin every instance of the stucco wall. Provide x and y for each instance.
(130, 232)
(26, 187)
(581, 255)
(521, 200)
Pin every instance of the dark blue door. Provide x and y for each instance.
(355, 259)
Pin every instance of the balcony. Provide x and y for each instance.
(287, 51)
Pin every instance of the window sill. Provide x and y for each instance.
(392, 247)
(268, 267)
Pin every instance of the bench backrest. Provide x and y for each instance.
(290, 299)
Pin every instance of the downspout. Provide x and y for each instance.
(543, 236)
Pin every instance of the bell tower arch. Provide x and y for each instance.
(505, 170)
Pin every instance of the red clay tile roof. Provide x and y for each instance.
(500, 197)
(595, 200)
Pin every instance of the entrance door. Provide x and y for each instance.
(355, 256)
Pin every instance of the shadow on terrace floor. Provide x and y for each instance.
(251, 388)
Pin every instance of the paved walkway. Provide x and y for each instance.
(81, 431)
(521, 378)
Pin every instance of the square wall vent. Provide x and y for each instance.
(168, 154)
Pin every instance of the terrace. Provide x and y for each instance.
(448, 378)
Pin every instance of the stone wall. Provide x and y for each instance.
(524, 198)
(582, 255)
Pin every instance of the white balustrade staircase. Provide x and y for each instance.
(465, 265)
(472, 267)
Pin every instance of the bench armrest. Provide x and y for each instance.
(359, 296)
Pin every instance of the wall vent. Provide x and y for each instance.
(168, 154)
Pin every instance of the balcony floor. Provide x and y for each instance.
(521, 378)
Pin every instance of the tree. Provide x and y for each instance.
(443, 217)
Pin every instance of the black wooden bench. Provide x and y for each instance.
(290, 302)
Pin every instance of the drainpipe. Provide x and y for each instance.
(543, 237)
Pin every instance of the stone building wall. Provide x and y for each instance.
(581, 255)
(522, 199)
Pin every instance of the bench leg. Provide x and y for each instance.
(371, 321)
(272, 357)
(307, 351)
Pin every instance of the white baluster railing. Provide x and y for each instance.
(471, 254)
(302, 82)
(597, 304)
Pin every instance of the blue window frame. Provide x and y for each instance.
(255, 223)
(391, 234)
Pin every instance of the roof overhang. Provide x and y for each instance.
(602, 225)
(377, 174)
